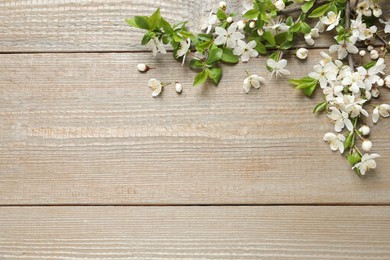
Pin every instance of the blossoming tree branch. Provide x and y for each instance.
(269, 27)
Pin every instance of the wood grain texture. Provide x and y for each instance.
(84, 129)
(195, 233)
(86, 25)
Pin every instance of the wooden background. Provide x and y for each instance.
(92, 167)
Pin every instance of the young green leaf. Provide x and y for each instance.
(196, 64)
(131, 22)
(350, 141)
(307, 6)
(155, 19)
(200, 78)
(251, 14)
(215, 74)
(214, 55)
(320, 107)
(221, 15)
(147, 37)
(269, 38)
(228, 56)
(319, 11)
(166, 26)
(142, 22)
(354, 158)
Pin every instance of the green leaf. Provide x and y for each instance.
(131, 22)
(221, 15)
(228, 56)
(369, 65)
(155, 19)
(147, 37)
(201, 78)
(269, 38)
(307, 6)
(319, 11)
(215, 55)
(251, 14)
(260, 48)
(307, 84)
(215, 74)
(305, 28)
(295, 28)
(196, 64)
(142, 22)
(320, 107)
(166, 26)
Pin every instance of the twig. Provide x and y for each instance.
(298, 8)
(382, 40)
(347, 26)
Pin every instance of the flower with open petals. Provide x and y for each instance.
(382, 110)
(252, 81)
(367, 163)
(387, 24)
(336, 141)
(278, 67)
(331, 19)
(211, 21)
(157, 46)
(343, 48)
(245, 50)
(229, 36)
(324, 73)
(341, 120)
(184, 49)
(156, 86)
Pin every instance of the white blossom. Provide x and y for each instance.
(341, 119)
(382, 110)
(387, 24)
(278, 67)
(324, 73)
(279, 4)
(367, 163)
(143, 67)
(253, 81)
(184, 49)
(229, 36)
(156, 86)
(331, 19)
(336, 141)
(211, 21)
(157, 46)
(343, 48)
(245, 50)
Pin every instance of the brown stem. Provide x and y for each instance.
(347, 26)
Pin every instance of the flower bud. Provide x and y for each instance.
(375, 92)
(252, 24)
(370, 47)
(374, 54)
(380, 82)
(178, 87)
(241, 25)
(280, 5)
(365, 130)
(143, 67)
(362, 53)
(387, 81)
(302, 53)
(229, 19)
(367, 145)
(222, 5)
(260, 32)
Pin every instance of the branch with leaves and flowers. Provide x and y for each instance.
(270, 27)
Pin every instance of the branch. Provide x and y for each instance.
(347, 26)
